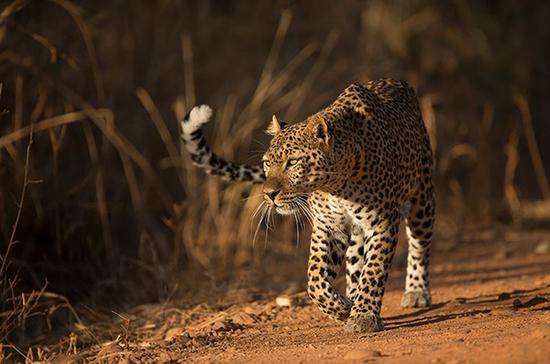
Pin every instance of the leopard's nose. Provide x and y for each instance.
(272, 194)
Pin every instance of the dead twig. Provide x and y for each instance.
(22, 305)
(534, 151)
(26, 183)
(45, 124)
(512, 158)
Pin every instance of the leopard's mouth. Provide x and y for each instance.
(288, 205)
(285, 209)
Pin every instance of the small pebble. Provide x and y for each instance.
(284, 301)
(543, 247)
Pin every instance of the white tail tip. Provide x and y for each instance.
(198, 116)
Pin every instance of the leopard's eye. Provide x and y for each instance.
(292, 162)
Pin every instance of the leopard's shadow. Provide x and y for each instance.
(468, 307)
(421, 321)
(416, 313)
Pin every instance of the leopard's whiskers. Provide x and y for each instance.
(299, 216)
(305, 209)
(297, 226)
(263, 208)
(258, 209)
(268, 223)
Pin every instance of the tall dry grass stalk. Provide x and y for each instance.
(15, 308)
(214, 222)
(510, 193)
(534, 150)
(26, 182)
(430, 120)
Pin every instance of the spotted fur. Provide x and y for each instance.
(354, 169)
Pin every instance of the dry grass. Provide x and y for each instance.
(15, 309)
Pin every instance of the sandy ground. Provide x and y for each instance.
(491, 305)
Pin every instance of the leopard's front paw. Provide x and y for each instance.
(367, 322)
(341, 312)
(416, 299)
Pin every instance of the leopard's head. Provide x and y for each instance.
(297, 162)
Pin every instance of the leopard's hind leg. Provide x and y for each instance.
(419, 224)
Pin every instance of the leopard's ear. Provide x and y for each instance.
(275, 126)
(319, 130)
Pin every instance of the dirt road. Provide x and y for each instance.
(490, 306)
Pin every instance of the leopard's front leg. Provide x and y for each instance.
(325, 258)
(365, 312)
(355, 260)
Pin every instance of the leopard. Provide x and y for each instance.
(357, 169)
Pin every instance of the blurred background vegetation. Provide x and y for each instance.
(114, 214)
